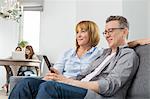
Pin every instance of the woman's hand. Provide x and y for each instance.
(55, 75)
(53, 70)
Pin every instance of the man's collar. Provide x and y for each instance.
(123, 46)
(118, 48)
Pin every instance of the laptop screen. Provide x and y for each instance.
(20, 55)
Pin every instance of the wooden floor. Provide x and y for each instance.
(3, 95)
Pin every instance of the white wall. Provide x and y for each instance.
(8, 41)
(98, 11)
(137, 11)
(57, 25)
(60, 17)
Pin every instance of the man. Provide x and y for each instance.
(108, 77)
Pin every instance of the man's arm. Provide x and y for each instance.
(124, 70)
(56, 76)
(107, 85)
(139, 42)
(92, 85)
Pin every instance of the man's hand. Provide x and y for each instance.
(139, 42)
(144, 41)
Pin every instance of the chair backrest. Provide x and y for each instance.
(40, 57)
(140, 87)
(44, 59)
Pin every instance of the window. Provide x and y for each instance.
(31, 28)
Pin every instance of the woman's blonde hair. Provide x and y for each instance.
(92, 30)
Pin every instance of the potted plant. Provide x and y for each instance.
(22, 43)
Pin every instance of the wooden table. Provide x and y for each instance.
(13, 62)
(26, 62)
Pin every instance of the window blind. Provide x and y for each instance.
(32, 5)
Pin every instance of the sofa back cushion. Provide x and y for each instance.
(140, 87)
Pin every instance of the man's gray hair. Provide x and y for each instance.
(122, 21)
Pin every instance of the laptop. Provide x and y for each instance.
(19, 55)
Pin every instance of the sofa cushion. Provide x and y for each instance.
(140, 87)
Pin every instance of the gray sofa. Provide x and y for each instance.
(140, 87)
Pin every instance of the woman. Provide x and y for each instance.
(23, 70)
(11, 70)
(18, 48)
(26, 70)
(16, 68)
(73, 61)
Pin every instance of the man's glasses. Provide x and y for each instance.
(110, 30)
